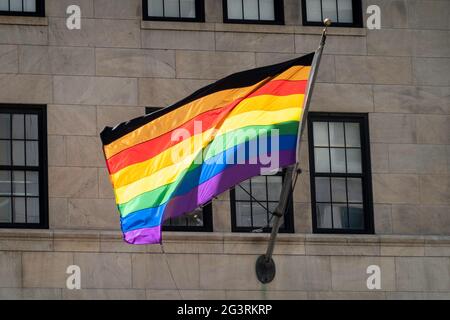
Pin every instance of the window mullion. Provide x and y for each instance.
(11, 172)
(331, 185)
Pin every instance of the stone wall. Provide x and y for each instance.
(117, 65)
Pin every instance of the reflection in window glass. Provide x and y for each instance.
(251, 11)
(313, 10)
(345, 11)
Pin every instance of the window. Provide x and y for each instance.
(23, 167)
(198, 220)
(174, 10)
(22, 7)
(253, 11)
(254, 200)
(340, 173)
(343, 13)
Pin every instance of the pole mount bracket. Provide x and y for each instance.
(265, 269)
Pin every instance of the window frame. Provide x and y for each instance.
(278, 12)
(40, 11)
(207, 208)
(199, 13)
(366, 174)
(288, 220)
(357, 17)
(40, 111)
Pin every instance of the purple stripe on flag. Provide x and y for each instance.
(144, 236)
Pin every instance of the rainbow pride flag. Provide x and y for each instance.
(168, 163)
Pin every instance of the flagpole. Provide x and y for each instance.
(265, 265)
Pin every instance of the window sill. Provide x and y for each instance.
(252, 28)
(227, 243)
(24, 21)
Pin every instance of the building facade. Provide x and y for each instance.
(375, 158)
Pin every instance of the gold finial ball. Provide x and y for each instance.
(327, 22)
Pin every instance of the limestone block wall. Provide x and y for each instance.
(117, 65)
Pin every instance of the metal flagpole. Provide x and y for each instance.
(265, 265)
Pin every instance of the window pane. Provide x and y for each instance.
(5, 128)
(336, 134)
(155, 8)
(19, 210)
(32, 183)
(5, 210)
(18, 153)
(5, 183)
(4, 5)
(354, 160)
(329, 9)
(337, 160)
(259, 188)
(5, 153)
(234, 8)
(323, 211)
(33, 210)
(352, 134)
(274, 185)
(29, 5)
(18, 183)
(313, 10)
(240, 193)
(323, 189)
(187, 8)
(267, 10)
(320, 134)
(259, 215)
(322, 159)
(340, 216)
(16, 5)
(356, 216)
(354, 186)
(32, 153)
(31, 126)
(194, 219)
(345, 11)
(18, 128)
(243, 214)
(171, 8)
(251, 9)
(338, 190)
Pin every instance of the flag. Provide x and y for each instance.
(170, 162)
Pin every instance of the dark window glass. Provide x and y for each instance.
(174, 10)
(22, 7)
(254, 200)
(198, 220)
(343, 13)
(23, 170)
(253, 11)
(340, 173)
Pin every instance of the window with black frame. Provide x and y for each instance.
(198, 220)
(22, 7)
(253, 11)
(254, 200)
(174, 10)
(343, 13)
(23, 167)
(341, 189)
